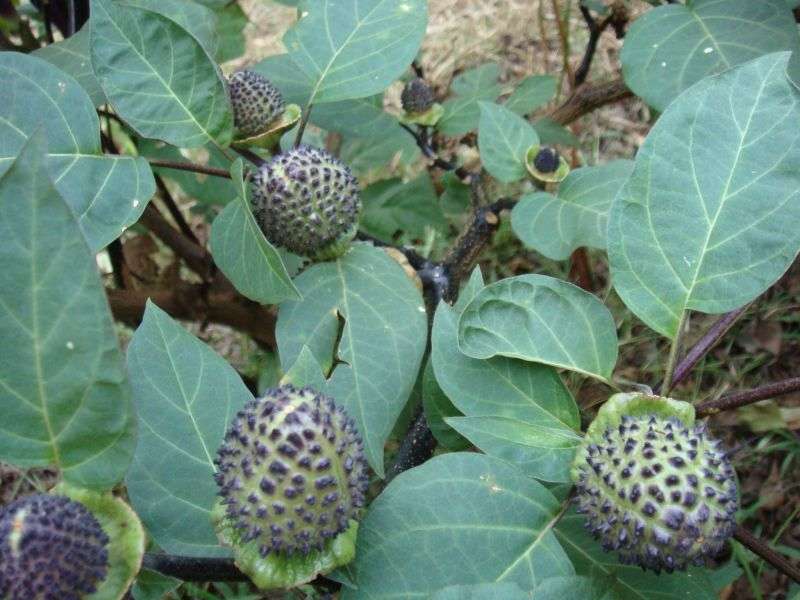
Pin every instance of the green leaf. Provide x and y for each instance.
(64, 394)
(185, 395)
(540, 319)
(462, 113)
(580, 588)
(504, 139)
(482, 591)
(503, 388)
(72, 56)
(672, 47)
(105, 193)
(709, 221)
(626, 582)
(382, 339)
(475, 518)
(552, 133)
(437, 408)
(231, 22)
(196, 19)
(354, 48)
(531, 93)
(391, 206)
(577, 216)
(152, 585)
(306, 371)
(158, 77)
(542, 452)
(242, 252)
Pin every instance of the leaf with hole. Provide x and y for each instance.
(185, 395)
(576, 216)
(540, 319)
(362, 315)
(242, 252)
(107, 194)
(64, 393)
(710, 217)
(672, 47)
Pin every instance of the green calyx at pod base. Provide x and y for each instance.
(292, 479)
(653, 485)
(71, 544)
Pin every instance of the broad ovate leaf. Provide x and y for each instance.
(531, 93)
(72, 56)
(64, 393)
(502, 394)
(672, 47)
(105, 193)
(185, 395)
(362, 316)
(710, 217)
(462, 113)
(158, 76)
(540, 319)
(347, 49)
(626, 582)
(504, 138)
(576, 216)
(242, 252)
(476, 518)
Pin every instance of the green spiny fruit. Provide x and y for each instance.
(307, 201)
(291, 471)
(661, 494)
(50, 547)
(256, 102)
(547, 160)
(417, 96)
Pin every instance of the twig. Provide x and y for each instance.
(250, 156)
(737, 399)
(117, 259)
(417, 68)
(703, 345)
(70, 18)
(174, 211)
(759, 547)
(563, 36)
(427, 150)
(587, 98)
(195, 256)
(218, 303)
(580, 270)
(595, 31)
(302, 128)
(48, 20)
(184, 166)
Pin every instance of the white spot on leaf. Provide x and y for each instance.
(708, 50)
(70, 346)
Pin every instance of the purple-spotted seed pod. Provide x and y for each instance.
(292, 472)
(660, 494)
(255, 101)
(307, 201)
(50, 547)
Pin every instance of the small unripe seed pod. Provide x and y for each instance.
(256, 102)
(547, 160)
(417, 96)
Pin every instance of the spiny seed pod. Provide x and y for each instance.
(256, 102)
(661, 494)
(291, 471)
(417, 96)
(547, 160)
(50, 547)
(307, 201)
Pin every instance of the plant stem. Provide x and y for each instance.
(563, 36)
(173, 209)
(195, 256)
(189, 568)
(737, 399)
(759, 547)
(70, 18)
(417, 447)
(703, 345)
(672, 360)
(580, 270)
(302, 128)
(595, 31)
(184, 166)
(587, 98)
